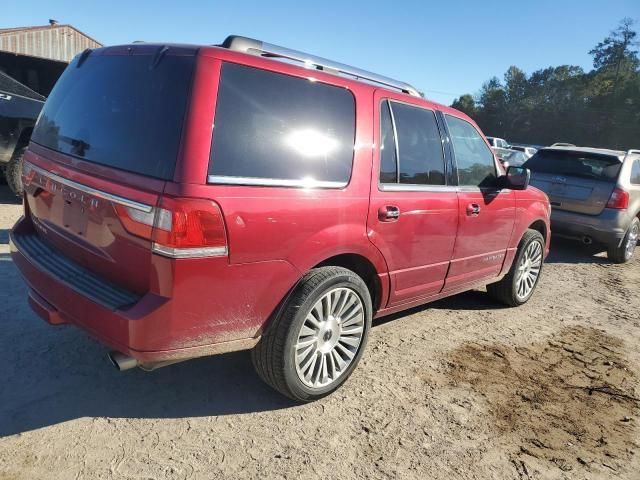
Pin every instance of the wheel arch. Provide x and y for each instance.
(364, 268)
(540, 226)
(25, 136)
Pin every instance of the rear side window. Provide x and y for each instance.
(388, 159)
(419, 145)
(476, 166)
(281, 130)
(635, 173)
(576, 164)
(122, 111)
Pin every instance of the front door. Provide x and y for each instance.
(486, 213)
(413, 211)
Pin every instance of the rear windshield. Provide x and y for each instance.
(575, 164)
(124, 112)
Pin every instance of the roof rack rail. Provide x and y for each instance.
(633, 151)
(257, 47)
(563, 144)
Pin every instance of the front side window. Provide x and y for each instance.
(635, 173)
(274, 127)
(476, 166)
(419, 145)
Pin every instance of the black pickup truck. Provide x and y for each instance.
(25, 83)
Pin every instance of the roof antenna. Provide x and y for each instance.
(82, 57)
(158, 56)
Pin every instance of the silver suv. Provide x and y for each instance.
(594, 194)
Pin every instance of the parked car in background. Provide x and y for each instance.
(168, 241)
(499, 146)
(513, 158)
(24, 83)
(594, 193)
(528, 151)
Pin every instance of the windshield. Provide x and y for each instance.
(122, 111)
(575, 164)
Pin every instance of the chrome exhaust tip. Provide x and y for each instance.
(121, 361)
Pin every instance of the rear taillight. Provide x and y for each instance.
(28, 173)
(619, 199)
(179, 227)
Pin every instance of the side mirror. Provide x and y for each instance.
(517, 178)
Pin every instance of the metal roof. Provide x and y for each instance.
(59, 42)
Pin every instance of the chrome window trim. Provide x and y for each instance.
(408, 187)
(197, 252)
(273, 182)
(395, 139)
(90, 190)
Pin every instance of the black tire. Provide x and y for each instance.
(274, 356)
(13, 171)
(505, 291)
(624, 252)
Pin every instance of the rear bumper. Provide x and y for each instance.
(204, 316)
(608, 228)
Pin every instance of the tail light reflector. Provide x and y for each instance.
(179, 227)
(619, 199)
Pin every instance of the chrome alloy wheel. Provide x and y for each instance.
(329, 338)
(529, 270)
(632, 241)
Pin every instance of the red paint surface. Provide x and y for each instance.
(275, 234)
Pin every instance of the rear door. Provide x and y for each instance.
(486, 213)
(575, 181)
(413, 209)
(106, 143)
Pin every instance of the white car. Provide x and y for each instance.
(528, 151)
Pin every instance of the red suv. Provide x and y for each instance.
(183, 201)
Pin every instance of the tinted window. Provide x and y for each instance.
(119, 111)
(575, 164)
(274, 126)
(476, 166)
(419, 145)
(635, 173)
(388, 163)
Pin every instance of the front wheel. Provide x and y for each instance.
(622, 253)
(518, 285)
(316, 341)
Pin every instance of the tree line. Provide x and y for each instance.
(599, 108)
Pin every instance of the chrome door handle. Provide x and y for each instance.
(388, 213)
(473, 209)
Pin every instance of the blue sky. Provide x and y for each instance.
(443, 48)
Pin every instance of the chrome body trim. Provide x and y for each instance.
(272, 182)
(90, 190)
(197, 252)
(269, 50)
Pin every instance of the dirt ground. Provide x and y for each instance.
(461, 388)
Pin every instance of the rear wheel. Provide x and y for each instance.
(13, 171)
(316, 341)
(622, 253)
(519, 284)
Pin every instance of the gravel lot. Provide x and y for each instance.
(458, 389)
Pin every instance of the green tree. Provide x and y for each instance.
(466, 104)
(599, 108)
